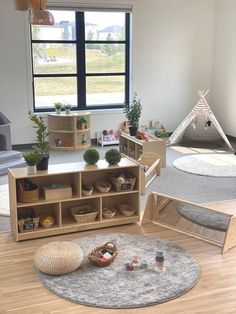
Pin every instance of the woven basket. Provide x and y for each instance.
(46, 224)
(122, 183)
(126, 209)
(101, 262)
(109, 212)
(103, 186)
(84, 213)
(87, 192)
(27, 220)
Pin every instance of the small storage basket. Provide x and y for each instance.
(88, 191)
(47, 224)
(126, 209)
(83, 213)
(103, 186)
(27, 220)
(109, 212)
(122, 182)
(28, 196)
(99, 261)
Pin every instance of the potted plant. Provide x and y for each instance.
(83, 123)
(113, 156)
(91, 156)
(32, 158)
(42, 145)
(67, 108)
(133, 112)
(58, 106)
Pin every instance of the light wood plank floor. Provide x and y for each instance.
(21, 291)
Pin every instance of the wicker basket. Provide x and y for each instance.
(122, 182)
(46, 224)
(109, 212)
(97, 260)
(83, 213)
(28, 196)
(126, 209)
(103, 186)
(27, 220)
(87, 192)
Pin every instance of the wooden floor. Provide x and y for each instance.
(22, 292)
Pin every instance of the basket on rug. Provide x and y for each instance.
(96, 255)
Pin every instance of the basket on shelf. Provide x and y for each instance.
(122, 182)
(103, 186)
(27, 220)
(28, 196)
(126, 209)
(87, 190)
(47, 221)
(83, 213)
(97, 255)
(109, 212)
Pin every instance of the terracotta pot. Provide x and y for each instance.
(22, 5)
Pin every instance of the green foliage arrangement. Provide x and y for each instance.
(42, 145)
(113, 156)
(67, 106)
(82, 120)
(32, 158)
(133, 111)
(91, 156)
(58, 105)
(160, 134)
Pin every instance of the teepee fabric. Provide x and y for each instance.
(199, 113)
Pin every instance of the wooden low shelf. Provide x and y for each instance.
(134, 148)
(73, 175)
(161, 209)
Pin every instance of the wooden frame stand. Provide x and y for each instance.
(161, 209)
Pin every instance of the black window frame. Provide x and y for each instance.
(81, 74)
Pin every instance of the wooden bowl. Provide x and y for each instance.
(46, 224)
(103, 186)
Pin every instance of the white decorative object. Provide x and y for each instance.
(205, 126)
(31, 169)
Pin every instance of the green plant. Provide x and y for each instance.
(32, 158)
(67, 106)
(58, 105)
(133, 111)
(113, 156)
(160, 134)
(91, 156)
(83, 120)
(42, 145)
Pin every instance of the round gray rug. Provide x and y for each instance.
(114, 286)
(204, 217)
(214, 165)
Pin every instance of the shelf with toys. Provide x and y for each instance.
(58, 200)
(69, 131)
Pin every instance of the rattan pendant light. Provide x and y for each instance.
(22, 5)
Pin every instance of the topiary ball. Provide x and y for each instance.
(91, 156)
(113, 156)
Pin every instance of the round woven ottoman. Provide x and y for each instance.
(58, 258)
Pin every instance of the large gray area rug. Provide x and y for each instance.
(204, 217)
(114, 286)
(214, 165)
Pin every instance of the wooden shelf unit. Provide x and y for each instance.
(74, 174)
(67, 133)
(134, 148)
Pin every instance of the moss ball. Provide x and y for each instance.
(113, 156)
(91, 156)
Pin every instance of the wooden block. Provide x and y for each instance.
(56, 194)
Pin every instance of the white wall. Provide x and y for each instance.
(172, 59)
(224, 74)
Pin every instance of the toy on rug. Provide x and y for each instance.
(103, 255)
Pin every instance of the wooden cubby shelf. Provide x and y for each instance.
(72, 176)
(67, 132)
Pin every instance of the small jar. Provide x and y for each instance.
(160, 261)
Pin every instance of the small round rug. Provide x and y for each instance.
(204, 217)
(114, 286)
(213, 165)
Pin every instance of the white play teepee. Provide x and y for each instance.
(200, 124)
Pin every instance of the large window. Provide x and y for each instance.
(82, 60)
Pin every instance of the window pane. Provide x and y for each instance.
(102, 90)
(63, 29)
(104, 26)
(54, 58)
(53, 89)
(102, 58)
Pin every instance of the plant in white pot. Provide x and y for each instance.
(67, 108)
(133, 112)
(42, 145)
(58, 107)
(32, 158)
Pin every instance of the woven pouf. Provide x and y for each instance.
(58, 258)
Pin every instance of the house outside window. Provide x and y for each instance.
(82, 60)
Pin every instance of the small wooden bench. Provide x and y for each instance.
(161, 209)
